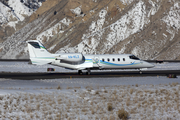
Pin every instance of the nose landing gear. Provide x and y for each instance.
(140, 72)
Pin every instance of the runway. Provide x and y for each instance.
(101, 74)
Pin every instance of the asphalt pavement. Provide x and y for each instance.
(101, 74)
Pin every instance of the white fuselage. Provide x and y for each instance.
(122, 61)
(77, 61)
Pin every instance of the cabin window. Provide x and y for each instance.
(118, 59)
(108, 59)
(113, 59)
(103, 59)
(124, 59)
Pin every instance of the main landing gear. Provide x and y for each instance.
(140, 72)
(80, 72)
(87, 73)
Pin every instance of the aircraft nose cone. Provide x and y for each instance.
(149, 65)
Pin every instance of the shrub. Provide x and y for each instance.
(1, 97)
(131, 91)
(109, 107)
(174, 84)
(58, 87)
(97, 92)
(105, 91)
(92, 111)
(122, 114)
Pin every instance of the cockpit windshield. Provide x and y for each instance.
(34, 44)
(134, 57)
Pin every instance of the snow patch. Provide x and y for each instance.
(135, 51)
(13, 24)
(16, 11)
(102, 14)
(126, 2)
(85, 46)
(52, 47)
(66, 21)
(154, 33)
(173, 17)
(49, 33)
(4, 13)
(77, 10)
(154, 8)
(19, 9)
(127, 25)
(130, 23)
(164, 35)
(171, 32)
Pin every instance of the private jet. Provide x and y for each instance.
(77, 61)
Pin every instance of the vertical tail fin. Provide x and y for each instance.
(38, 53)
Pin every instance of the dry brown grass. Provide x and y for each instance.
(133, 110)
(109, 107)
(58, 87)
(111, 117)
(141, 100)
(89, 88)
(92, 111)
(105, 91)
(122, 114)
(174, 84)
(131, 91)
(97, 92)
(69, 87)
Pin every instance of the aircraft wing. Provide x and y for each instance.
(84, 66)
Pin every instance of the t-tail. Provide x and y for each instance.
(38, 53)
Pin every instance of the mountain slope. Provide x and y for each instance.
(146, 28)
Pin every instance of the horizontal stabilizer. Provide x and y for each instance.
(39, 61)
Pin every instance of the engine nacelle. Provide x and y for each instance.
(70, 57)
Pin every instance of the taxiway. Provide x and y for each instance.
(101, 74)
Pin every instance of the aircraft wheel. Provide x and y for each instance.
(88, 72)
(140, 72)
(80, 72)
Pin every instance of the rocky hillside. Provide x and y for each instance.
(148, 29)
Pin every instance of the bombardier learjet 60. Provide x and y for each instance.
(77, 61)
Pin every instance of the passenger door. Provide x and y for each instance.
(97, 61)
